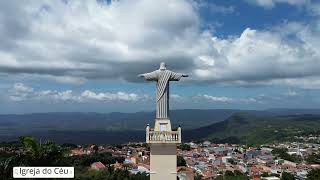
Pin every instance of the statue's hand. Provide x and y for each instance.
(185, 75)
(141, 75)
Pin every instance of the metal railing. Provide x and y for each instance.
(163, 136)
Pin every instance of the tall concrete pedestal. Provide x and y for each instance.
(163, 162)
(163, 150)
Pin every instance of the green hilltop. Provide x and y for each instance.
(246, 128)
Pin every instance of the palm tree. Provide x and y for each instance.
(6, 165)
(46, 154)
(31, 146)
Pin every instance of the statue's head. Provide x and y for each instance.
(162, 66)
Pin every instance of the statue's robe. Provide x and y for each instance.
(162, 77)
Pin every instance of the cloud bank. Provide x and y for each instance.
(21, 92)
(75, 41)
(24, 93)
(25, 98)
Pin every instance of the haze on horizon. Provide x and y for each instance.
(85, 56)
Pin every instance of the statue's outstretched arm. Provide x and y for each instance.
(150, 76)
(177, 76)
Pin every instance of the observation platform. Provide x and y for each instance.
(163, 137)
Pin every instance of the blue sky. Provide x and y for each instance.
(85, 55)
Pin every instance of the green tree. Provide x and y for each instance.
(264, 174)
(314, 174)
(46, 154)
(287, 176)
(95, 149)
(31, 146)
(108, 174)
(229, 175)
(34, 154)
(87, 160)
(139, 176)
(231, 161)
(185, 147)
(181, 161)
(282, 153)
(313, 159)
(92, 175)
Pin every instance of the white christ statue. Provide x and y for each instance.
(162, 76)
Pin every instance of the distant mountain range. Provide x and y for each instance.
(230, 125)
(244, 127)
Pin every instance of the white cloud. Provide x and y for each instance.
(119, 96)
(261, 57)
(314, 8)
(225, 99)
(214, 8)
(96, 40)
(291, 93)
(272, 3)
(306, 83)
(218, 99)
(21, 92)
(20, 87)
(178, 98)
